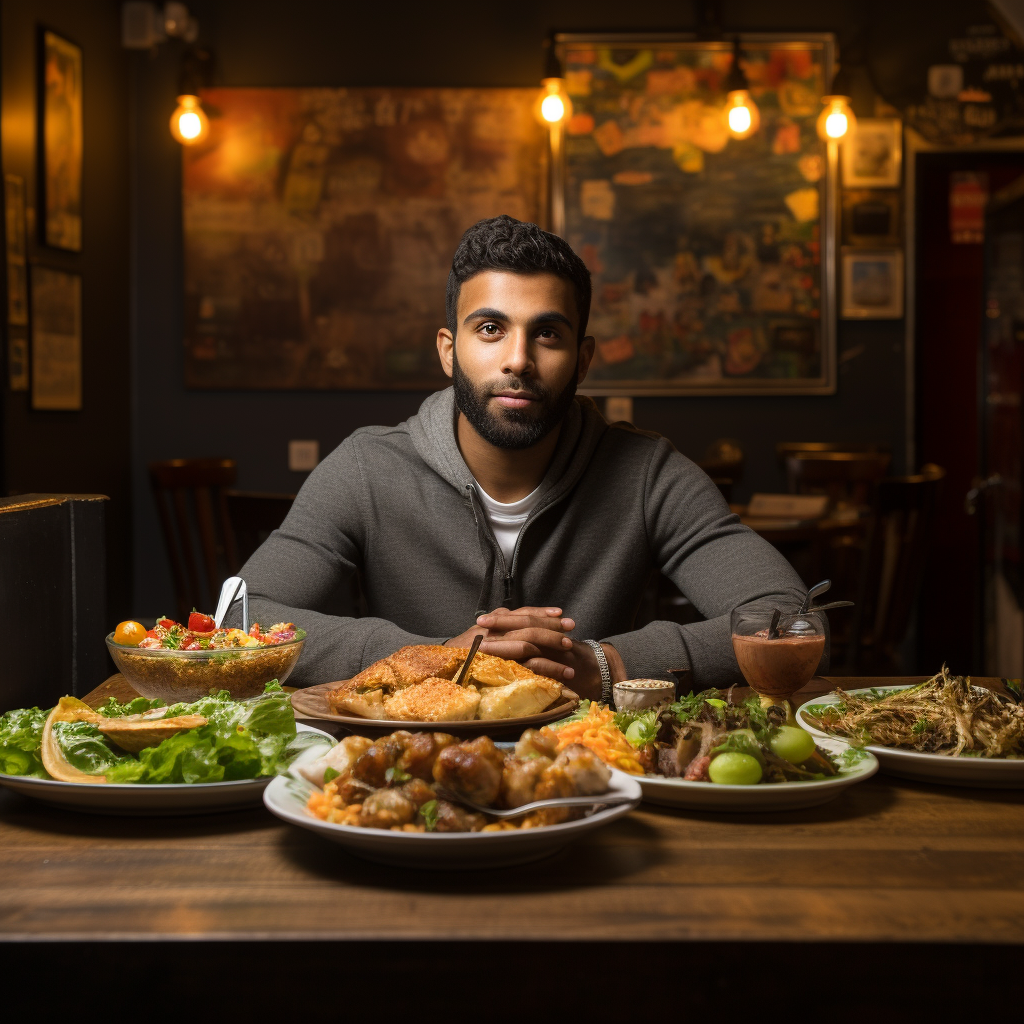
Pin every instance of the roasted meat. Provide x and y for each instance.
(471, 770)
(519, 779)
(386, 808)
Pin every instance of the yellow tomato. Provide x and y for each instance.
(129, 634)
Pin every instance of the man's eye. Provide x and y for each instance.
(489, 329)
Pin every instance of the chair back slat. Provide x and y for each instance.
(189, 494)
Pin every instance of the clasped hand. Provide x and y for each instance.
(536, 637)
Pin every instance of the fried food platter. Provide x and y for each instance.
(312, 703)
(453, 690)
(980, 772)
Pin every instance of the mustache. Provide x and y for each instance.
(517, 384)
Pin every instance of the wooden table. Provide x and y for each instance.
(888, 861)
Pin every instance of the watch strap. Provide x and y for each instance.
(606, 672)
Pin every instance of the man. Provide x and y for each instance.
(508, 506)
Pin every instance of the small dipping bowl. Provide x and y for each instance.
(639, 694)
(175, 676)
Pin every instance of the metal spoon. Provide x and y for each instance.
(230, 591)
(477, 640)
(608, 799)
(816, 591)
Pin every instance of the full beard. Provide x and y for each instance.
(511, 428)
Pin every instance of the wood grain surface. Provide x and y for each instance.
(888, 860)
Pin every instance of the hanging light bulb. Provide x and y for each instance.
(553, 106)
(837, 120)
(742, 117)
(189, 123)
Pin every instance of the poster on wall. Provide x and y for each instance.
(711, 256)
(320, 224)
(56, 339)
(61, 138)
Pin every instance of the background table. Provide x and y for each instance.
(888, 861)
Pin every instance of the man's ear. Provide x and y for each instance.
(585, 357)
(446, 349)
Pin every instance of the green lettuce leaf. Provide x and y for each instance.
(86, 747)
(242, 740)
(639, 727)
(115, 709)
(21, 734)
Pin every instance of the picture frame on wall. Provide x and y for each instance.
(61, 142)
(712, 256)
(872, 218)
(56, 339)
(872, 284)
(873, 157)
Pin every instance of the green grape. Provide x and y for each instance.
(732, 769)
(635, 733)
(793, 744)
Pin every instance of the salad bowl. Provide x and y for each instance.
(183, 676)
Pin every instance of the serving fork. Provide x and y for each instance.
(607, 799)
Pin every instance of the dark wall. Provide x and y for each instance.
(459, 43)
(86, 451)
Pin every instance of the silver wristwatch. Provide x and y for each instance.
(606, 672)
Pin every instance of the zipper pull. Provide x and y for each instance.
(508, 586)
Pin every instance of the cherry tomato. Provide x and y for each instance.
(129, 633)
(166, 622)
(200, 623)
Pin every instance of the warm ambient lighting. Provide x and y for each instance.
(741, 114)
(189, 123)
(553, 106)
(837, 121)
(742, 117)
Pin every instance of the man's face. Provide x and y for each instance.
(516, 362)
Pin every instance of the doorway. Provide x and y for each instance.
(949, 305)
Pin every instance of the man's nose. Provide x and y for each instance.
(517, 357)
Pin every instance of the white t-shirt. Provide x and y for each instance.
(507, 520)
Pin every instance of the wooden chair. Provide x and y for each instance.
(786, 448)
(191, 501)
(895, 567)
(850, 479)
(253, 517)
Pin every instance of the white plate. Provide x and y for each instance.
(986, 772)
(774, 796)
(156, 799)
(446, 850)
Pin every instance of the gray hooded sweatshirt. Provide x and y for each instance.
(395, 510)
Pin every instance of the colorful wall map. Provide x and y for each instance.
(320, 225)
(706, 251)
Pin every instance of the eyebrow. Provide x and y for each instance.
(551, 316)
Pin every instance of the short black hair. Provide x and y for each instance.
(504, 243)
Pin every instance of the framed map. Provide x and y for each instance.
(319, 227)
(713, 258)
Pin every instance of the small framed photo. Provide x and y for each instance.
(873, 157)
(872, 284)
(872, 218)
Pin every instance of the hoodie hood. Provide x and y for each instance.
(432, 430)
